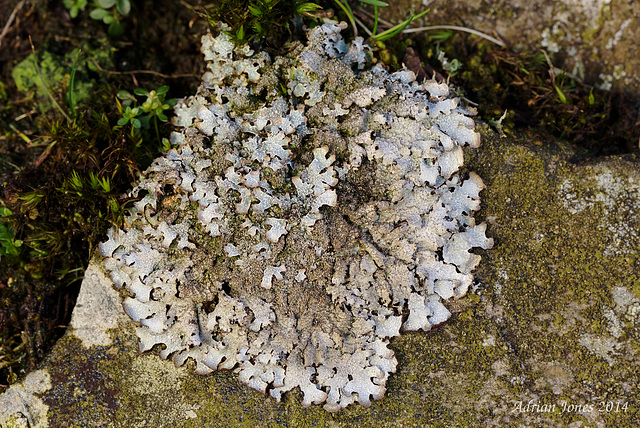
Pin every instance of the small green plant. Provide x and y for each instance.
(9, 245)
(75, 6)
(151, 111)
(451, 67)
(110, 12)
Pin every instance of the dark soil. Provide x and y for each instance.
(160, 46)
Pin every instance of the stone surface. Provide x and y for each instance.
(548, 337)
(20, 405)
(597, 39)
(97, 310)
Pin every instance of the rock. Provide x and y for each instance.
(548, 336)
(597, 39)
(20, 405)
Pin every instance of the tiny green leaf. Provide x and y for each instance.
(561, 96)
(240, 34)
(72, 85)
(124, 7)
(94, 181)
(98, 14)
(125, 96)
(255, 11)
(106, 4)
(307, 7)
(393, 31)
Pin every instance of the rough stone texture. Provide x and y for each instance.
(554, 321)
(97, 309)
(20, 406)
(598, 39)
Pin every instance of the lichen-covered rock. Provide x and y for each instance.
(547, 336)
(310, 210)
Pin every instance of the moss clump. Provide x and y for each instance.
(270, 21)
(60, 208)
(62, 194)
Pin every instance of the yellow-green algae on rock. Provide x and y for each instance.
(553, 322)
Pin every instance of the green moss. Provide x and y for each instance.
(551, 265)
(260, 21)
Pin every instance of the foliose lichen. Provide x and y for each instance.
(310, 210)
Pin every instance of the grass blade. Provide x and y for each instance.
(385, 35)
(347, 10)
(72, 85)
(375, 3)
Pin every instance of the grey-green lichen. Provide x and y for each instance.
(299, 224)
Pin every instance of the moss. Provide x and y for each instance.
(45, 71)
(552, 263)
(257, 20)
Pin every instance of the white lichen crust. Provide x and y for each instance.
(309, 211)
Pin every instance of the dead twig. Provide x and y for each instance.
(133, 72)
(456, 28)
(5, 30)
(439, 27)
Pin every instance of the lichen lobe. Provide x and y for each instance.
(259, 244)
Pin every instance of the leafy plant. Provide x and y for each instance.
(150, 111)
(9, 246)
(111, 12)
(254, 20)
(75, 6)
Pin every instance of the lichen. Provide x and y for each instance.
(260, 245)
